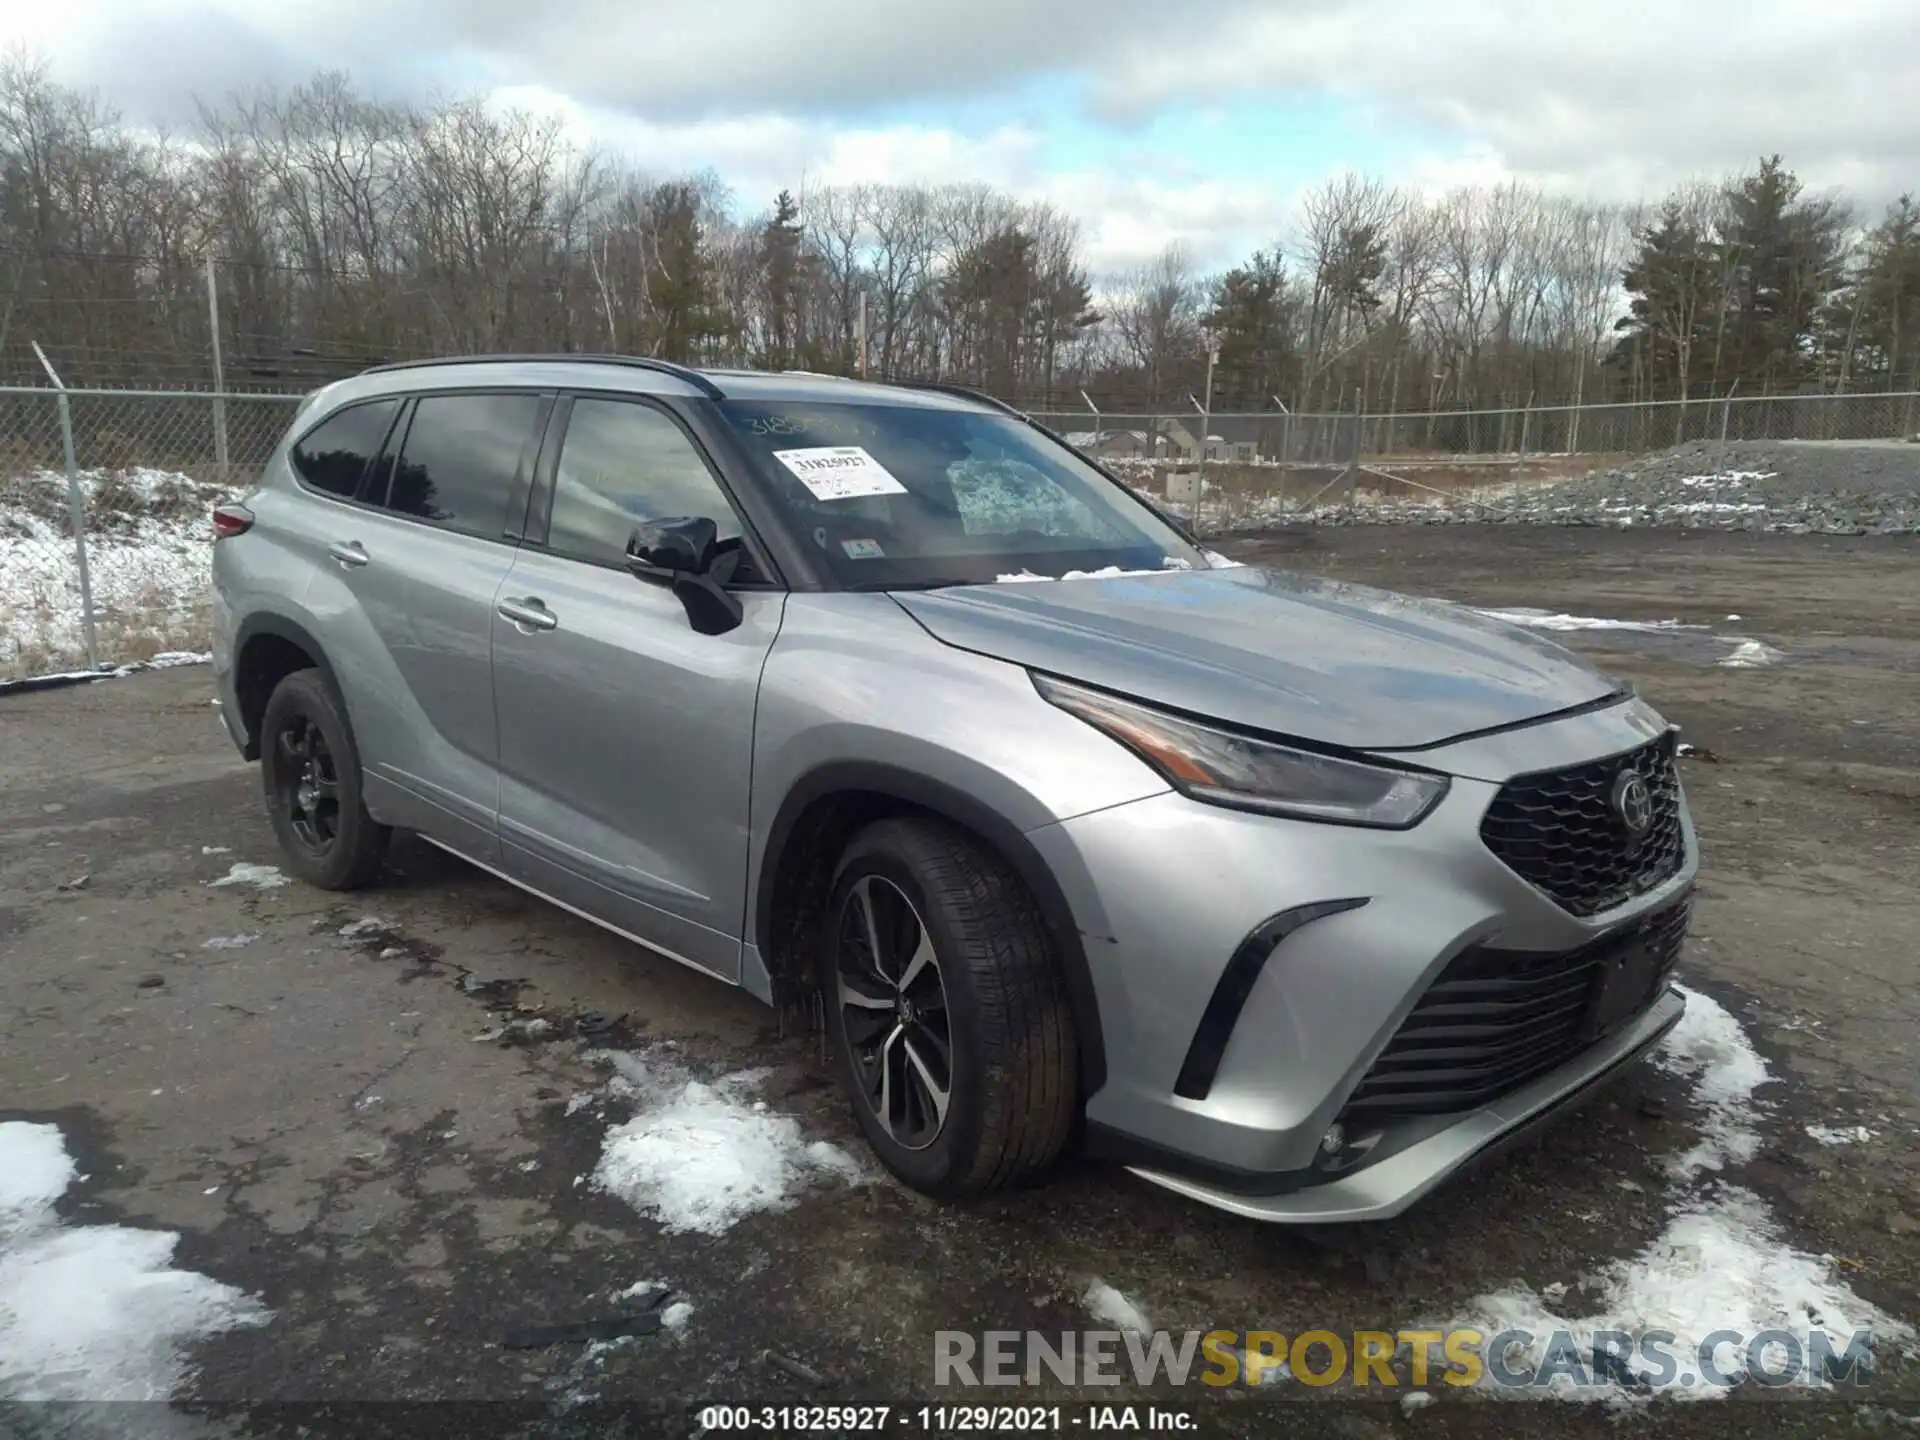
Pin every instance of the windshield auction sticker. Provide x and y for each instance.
(839, 472)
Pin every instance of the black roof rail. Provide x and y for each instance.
(965, 392)
(638, 362)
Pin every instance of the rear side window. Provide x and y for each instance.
(333, 455)
(458, 462)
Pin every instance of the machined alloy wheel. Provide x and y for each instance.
(894, 1011)
(945, 1001)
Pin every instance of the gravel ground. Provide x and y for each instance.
(1794, 487)
(387, 1118)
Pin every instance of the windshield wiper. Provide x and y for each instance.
(939, 584)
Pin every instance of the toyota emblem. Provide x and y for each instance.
(1633, 803)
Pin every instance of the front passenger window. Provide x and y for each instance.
(624, 463)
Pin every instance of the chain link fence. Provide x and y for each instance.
(148, 466)
(1268, 468)
(131, 581)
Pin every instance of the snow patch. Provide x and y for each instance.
(1727, 479)
(228, 942)
(1109, 1306)
(700, 1158)
(1842, 1135)
(367, 927)
(1720, 1264)
(1750, 655)
(1546, 620)
(1709, 1047)
(259, 877)
(149, 563)
(92, 1312)
(677, 1316)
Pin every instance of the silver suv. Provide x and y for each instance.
(1290, 895)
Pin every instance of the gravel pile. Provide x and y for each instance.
(1822, 488)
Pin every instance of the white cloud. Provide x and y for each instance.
(1616, 99)
(1620, 100)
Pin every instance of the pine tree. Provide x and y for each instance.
(1886, 350)
(780, 262)
(1253, 317)
(1666, 339)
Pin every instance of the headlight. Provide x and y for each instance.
(1224, 768)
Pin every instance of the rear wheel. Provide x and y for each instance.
(948, 1009)
(310, 769)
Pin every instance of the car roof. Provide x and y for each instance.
(643, 375)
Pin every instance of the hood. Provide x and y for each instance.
(1289, 654)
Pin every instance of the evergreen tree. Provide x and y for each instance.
(1666, 337)
(1253, 317)
(780, 264)
(1886, 348)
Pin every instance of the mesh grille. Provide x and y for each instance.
(1561, 832)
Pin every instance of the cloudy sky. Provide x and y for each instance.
(1151, 121)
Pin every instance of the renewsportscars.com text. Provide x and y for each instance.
(1508, 1359)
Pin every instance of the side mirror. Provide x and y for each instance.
(687, 555)
(681, 547)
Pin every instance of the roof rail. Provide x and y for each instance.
(963, 391)
(638, 362)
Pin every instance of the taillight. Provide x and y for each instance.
(231, 520)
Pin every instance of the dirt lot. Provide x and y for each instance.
(317, 1120)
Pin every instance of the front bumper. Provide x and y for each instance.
(1388, 1186)
(1164, 891)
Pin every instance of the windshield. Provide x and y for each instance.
(899, 496)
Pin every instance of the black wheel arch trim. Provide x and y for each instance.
(282, 628)
(996, 830)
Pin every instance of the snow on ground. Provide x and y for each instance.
(149, 566)
(228, 942)
(1546, 620)
(257, 877)
(1110, 1307)
(1840, 1135)
(92, 1312)
(1751, 655)
(1721, 1263)
(700, 1157)
(1710, 1048)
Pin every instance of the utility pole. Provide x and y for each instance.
(1095, 447)
(860, 329)
(219, 379)
(76, 509)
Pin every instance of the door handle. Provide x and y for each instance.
(529, 614)
(349, 553)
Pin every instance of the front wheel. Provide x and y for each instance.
(948, 1010)
(310, 769)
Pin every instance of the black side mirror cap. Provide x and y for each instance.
(687, 554)
(682, 546)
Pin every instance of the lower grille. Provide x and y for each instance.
(1496, 1019)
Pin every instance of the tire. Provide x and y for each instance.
(1012, 1062)
(310, 771)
